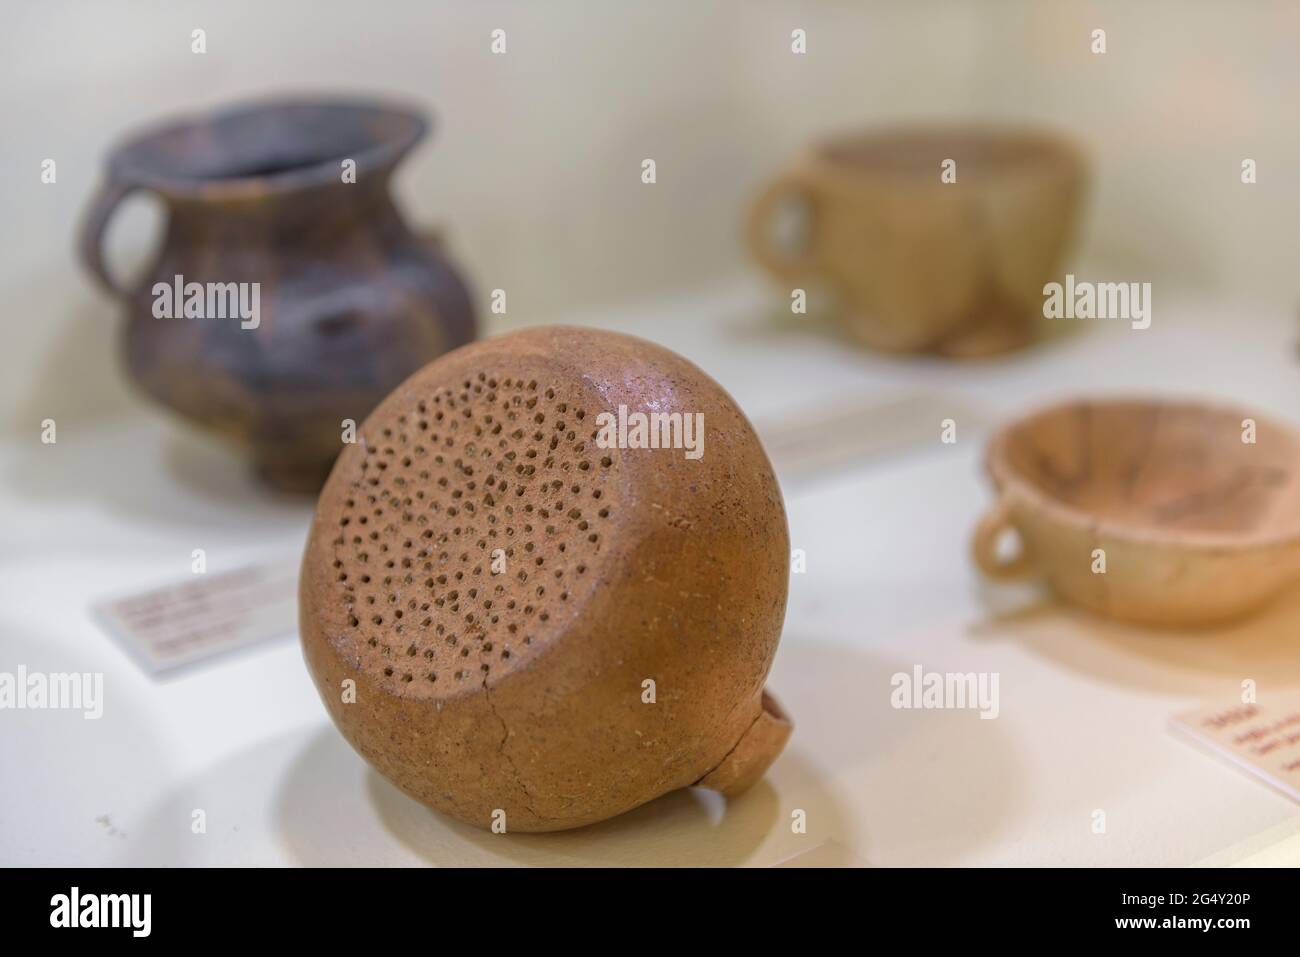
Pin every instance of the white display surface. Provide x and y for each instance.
(1084, 703)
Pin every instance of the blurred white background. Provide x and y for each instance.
(533, 166)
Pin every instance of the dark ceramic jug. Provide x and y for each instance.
(285, 298)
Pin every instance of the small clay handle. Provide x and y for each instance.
(790, 265)
(753, 753)
(984, 546)
(91, 242)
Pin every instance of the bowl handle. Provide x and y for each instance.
(91, 241)
(753, 753)
(984, 546)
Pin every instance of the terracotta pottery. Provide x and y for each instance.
(350, 301)
(1196, 510)
(917, 264)
(543, 631)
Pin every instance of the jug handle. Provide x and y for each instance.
(91, 242)
(753, 754)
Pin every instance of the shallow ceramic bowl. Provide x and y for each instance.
(1191, 520)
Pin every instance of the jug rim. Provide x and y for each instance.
(267, 146)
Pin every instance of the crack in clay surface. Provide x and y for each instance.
(501, 749)
(732, 750)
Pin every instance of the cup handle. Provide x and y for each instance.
(985, 542)
(790, 266)
(91, 241)
(754, 752)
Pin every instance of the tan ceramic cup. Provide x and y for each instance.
(1196, 525)
(917, 264)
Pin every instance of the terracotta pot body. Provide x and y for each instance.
(537, 626)
(350, 302)
(1196, 526)
(917, 264)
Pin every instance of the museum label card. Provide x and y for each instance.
(1262, 737)
(205, 615)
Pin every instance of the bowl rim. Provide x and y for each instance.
(1010, 483)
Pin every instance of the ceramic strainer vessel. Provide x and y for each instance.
(534, 626)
